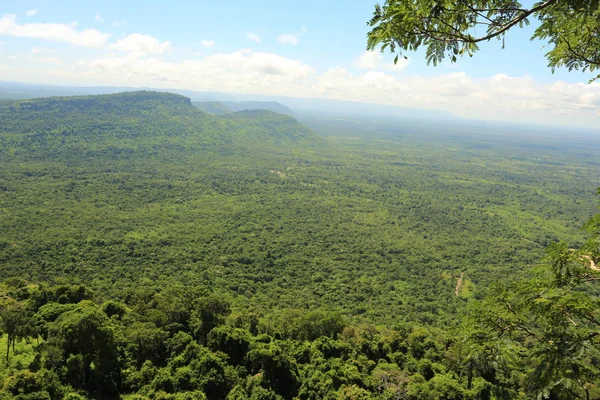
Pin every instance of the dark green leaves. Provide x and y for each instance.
(571, 27)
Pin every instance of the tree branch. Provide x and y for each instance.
(580, 56)
(524, 14)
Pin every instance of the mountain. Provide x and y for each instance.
(212, 107)
(269, 125)
(108, 125)
(239, 102)
(307, 110)
(20, 91)
(119, 124)
(258, 105)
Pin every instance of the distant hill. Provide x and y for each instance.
(258, 105)
(269, 125)
(120, 103)
(212, 107)
(144, 122)
(239, 102)
(19, 91)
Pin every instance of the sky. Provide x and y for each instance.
(307, 49)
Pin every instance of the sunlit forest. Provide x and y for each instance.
(155, 248)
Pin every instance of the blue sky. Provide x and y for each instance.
(297, 48)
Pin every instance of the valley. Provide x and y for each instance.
(261, 250)
(274, 216)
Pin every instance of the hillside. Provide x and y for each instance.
(212, 107)
(269, 125)
(258, 105)
(116, 125)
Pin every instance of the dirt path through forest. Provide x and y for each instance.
(593, 265)
(459, 282)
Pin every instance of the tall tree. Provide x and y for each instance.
(87, 342)
(555, 320)
(14, 318)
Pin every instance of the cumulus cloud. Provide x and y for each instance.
(47, 60)
(135, 44)
(374, 60)
(52, 31)
(368, 60)
(99, 18)
(208, 43)
(241, 71)
(288, 39)
(499, 97)
(31, 13)
(141, 45)
(590, 99)
(253, 37)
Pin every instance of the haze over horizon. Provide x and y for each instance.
(283, 49)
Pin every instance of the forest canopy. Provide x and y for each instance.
(149, 250)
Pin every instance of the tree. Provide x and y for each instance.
(85, 338)
(14, 319)
(554, 319)
(211, 312)
(449, 28)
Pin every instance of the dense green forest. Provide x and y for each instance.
(152, 250)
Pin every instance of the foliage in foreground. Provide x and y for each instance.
(450, 29)
(533, 339)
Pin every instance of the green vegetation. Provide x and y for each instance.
(212, 107)
(227, 107)
(151, 250)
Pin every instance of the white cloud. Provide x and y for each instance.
(242, 71)
(47, 60)
(590, 98)
(140, 45)
(288, 39)
(374, 60)
(31, 13)
(120, 23)
(52, 31)
(208, 43)
(399, 66)
(499, 97)
(99, 18)
(368, 60)
(253, 37)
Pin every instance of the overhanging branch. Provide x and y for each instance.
(524, 14)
